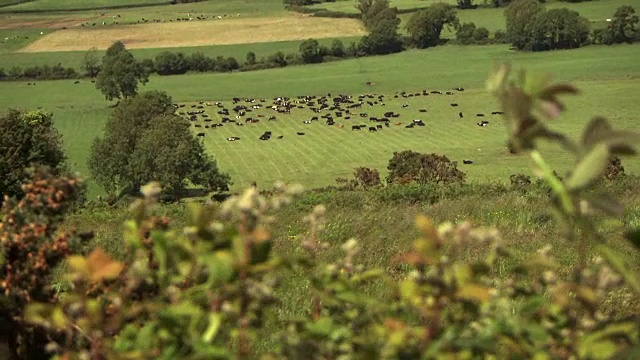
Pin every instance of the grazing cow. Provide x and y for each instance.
(77, 82)
(460, 89)
(423, 110)
(418, 122)
(467, 162)
(483, 123)
(233, 138)
(281, 136)
(355, 127)
(307, 122)
(497, 113)
(379, 127)
(299, 133)
(449, 93)
(197, 125)
(454, 104)
(371, 128)
(479, 115)
(410, 126)
(201, 134)
(460, 114)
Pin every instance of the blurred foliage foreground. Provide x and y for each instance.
(202, 291)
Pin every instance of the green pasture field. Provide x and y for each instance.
(251, 8)
(75, 58)
(12, 40)
(607, 75)
(53, 5)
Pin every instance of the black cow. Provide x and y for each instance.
(454, 104)
(300, 133)
(281, 136)
(201, 134)
(379, 127)
(497, 113)
(467, 162)
(371, 128)
(355, 127)
(480, 115)
(460, 114)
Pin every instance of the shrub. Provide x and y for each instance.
(367, 177)
(410, 166)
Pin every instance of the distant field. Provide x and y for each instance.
(209, 9)
(235, 31)
(607, 75)
(52, 5)
(493, 18)
(74, 58)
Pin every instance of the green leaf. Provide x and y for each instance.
(596, 345)
(589, 168)
(215, 320)
(594, 131)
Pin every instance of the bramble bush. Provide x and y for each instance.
(204, 291)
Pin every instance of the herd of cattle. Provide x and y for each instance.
(327, 109)
(181, 18)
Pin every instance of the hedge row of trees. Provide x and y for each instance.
(533, 28)
(44, 72)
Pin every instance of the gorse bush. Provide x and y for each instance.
(204, 291)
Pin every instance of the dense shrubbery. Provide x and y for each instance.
(27, 139)
(44, 72)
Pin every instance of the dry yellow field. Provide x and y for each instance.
(200, 33)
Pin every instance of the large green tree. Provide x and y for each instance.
(425, 26)
(520, 15)
(120, 73)
(624, 25)
(557, 29)
(169, 153)
(27, 139)
(144, 141)
(382, 22)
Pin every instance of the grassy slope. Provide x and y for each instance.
(605, 73)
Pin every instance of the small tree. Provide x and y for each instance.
(367, 177)
(27, 139)
(465, 33)
(250, 58)
(90, 62)
(337, 48)
(425, 26)
(310, 51)
(120, 74)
